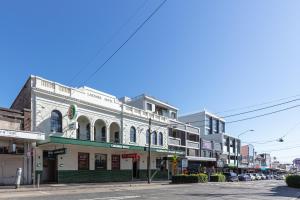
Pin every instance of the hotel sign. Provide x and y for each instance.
(72, 112)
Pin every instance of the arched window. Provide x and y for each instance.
(154, 138)
(160, 139)
(147, 137)
(132, 134)
(56, 121)
(103, 134)
(78, 132)
(88, 131)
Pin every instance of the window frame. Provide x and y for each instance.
(100, 156)
(88, 161)
(132, 134)
(56, 121)
(160, 139)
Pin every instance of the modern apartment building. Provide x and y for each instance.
(224, 148)
(92, 136)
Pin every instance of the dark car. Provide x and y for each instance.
(231, 177)
(244, 177)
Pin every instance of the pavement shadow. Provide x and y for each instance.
(285, 191)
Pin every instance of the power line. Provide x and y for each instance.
(108, 41)
(129, 38)
(255, 105)
(291, 129)
(248, 118)
(263, 108)
(257, 116)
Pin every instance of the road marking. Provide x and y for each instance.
(113, 198)
(297, 196)
(42, 192)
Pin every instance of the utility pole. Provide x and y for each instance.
(149, 153)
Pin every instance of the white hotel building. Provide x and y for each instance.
(106, 140)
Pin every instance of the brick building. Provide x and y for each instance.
(16, 144)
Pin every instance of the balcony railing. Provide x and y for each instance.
(174, 141)
(144, 114)
(193, 144)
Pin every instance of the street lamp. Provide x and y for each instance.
(236, 150)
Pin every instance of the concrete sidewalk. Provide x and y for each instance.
(78, 186)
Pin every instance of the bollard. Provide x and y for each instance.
(18, 177)
(38, 180)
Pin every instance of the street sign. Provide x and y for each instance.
(184, 163)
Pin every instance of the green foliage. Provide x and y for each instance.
(217, 178)
(202, 178)
(293, 181)
(192, 178)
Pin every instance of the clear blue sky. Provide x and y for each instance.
(194, 54)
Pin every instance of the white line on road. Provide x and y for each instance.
(297, 196)
(113, 198)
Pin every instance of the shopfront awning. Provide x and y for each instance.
(63, 140)
(193, 158)
(25, 135)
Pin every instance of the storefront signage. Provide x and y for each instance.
(72, 112)
(57, 152)
(22, 135)
(131, 155)
(119, 146)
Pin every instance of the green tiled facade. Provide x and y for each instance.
(98, 176)
(160, 175)
(94, 176)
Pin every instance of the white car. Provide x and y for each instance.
(263, 177)
(252, 177)
(280, 177)
(257, 176)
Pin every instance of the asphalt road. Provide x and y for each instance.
(242, 190)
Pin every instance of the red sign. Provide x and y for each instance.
(131, 155)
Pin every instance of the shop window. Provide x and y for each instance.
(100, 161)
(161, 164)
(83, 161)
(56, 121)
(115, 162)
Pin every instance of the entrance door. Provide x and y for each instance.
(49, 168)
(135, 168)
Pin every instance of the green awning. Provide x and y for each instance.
(63, 140)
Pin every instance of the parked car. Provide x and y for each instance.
(263, 177)
(244, 177)
(231, 177)
(280, 177)
(257, 176)
(252, 177)
(269, 176)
